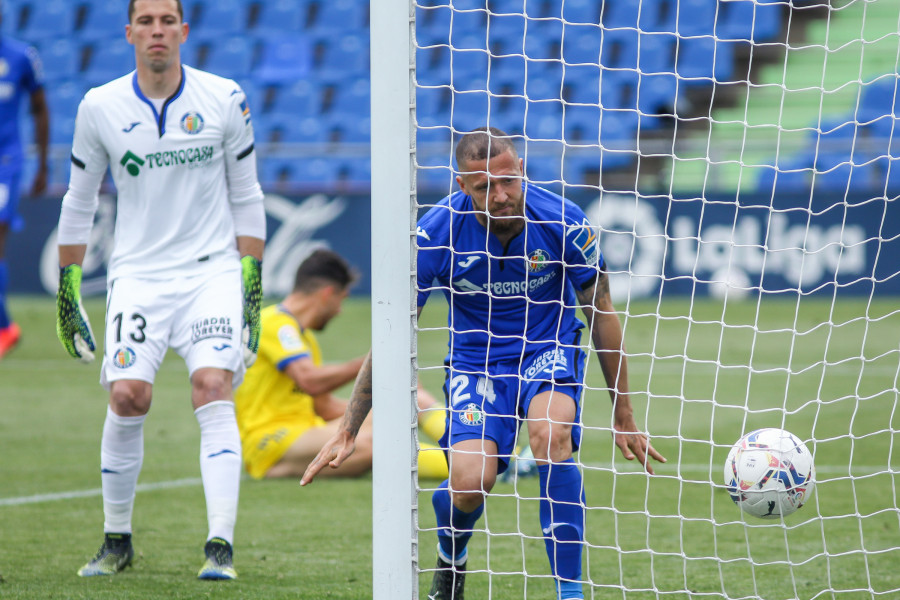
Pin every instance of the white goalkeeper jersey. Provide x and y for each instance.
(176, 171)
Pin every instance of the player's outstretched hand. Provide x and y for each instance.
(333, 454)
(72, 325)
(633, 443)
(251, 282)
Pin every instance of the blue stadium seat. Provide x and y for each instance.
(340, 16)
(47, 19)
(220, 16)
(696, 17)
(516, 7)
(879, 97)
(283, 59)
(61, 58)
(63, 98)
(280, 16)
(506, 34)
(342, 56)
(647, 15)
(316, 172)
(103, 20)
(231, 56)
(350, 128)
(544, 120)
(704, 60)
(582, 44)
(748, 20)
(300, 99)
(352, 97)
(582, 11)
(110, 60)
(543, 40)
(792, 177)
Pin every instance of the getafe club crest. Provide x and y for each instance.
(124, 357)
(192, 123)
(471, 415)
(537, 260)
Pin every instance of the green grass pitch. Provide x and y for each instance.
(700, 375)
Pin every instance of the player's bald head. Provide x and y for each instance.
(483, 144)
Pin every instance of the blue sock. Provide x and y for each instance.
(4, 284)
(454, 526)
(562, 521)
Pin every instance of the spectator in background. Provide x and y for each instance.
(21, 74)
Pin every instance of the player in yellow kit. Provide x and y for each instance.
(285, 408)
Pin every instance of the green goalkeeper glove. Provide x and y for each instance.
(72, 325)
(251, 281)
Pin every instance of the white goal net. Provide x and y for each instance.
(736, 159)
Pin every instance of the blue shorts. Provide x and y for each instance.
(10, 178)
(492, 405)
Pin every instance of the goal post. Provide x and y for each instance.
(393, 310)
(736, 160)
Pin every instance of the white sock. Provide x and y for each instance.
(121, 456)
(220, 466)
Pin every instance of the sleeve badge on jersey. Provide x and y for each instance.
(245, 110)
(585, 239)
(289, 339)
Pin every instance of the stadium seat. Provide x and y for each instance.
(109, 60)
(61, 58)
(340, 16)
(352, 97)
(220, 16)
(543, 40)
(102, 20)
(705, 60)
(748, 20)
(582, 44)
(506, 34)
(283, 59)
(879, 97)
(582, 11)
(341, 57)
(349, 128)
(47, 19)
(231, 56)
(279, 16)
(696, 17)
(303, 98)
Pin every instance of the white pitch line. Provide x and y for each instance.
(662, 470)
(142, 487)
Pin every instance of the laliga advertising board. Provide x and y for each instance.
(650, 243)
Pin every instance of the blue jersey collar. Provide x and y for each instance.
(159, 118)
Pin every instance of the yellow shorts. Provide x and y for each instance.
(266, 445)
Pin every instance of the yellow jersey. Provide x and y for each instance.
(268, 403)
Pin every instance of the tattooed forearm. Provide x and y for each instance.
(602, 285)
(360, 399)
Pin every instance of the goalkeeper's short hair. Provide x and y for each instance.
(324, 267)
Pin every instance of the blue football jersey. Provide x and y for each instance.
(20, 73)
(506, 301)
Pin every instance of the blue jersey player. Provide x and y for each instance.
(514, 261)
(20, 75)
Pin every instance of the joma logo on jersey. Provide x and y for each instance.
(132, 163)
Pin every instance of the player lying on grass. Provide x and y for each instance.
(285, 408)
(515, 353)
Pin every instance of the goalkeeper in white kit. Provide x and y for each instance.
(185, 268)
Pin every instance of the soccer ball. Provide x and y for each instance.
(769, 473)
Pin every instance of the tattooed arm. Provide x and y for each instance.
(342, 444)
(606, 336)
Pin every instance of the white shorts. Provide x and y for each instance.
(199, 317)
